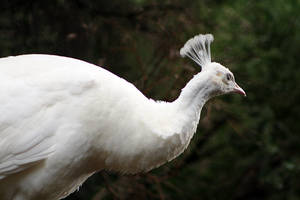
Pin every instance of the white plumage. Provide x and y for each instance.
(63, 119)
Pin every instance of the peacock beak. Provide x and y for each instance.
(239, 90)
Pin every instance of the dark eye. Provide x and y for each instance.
(229, 77)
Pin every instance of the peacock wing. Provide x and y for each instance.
(37, 95)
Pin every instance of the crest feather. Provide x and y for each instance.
(198, 49)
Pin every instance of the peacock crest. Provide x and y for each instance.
(198, 49)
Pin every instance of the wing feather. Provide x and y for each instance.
(34, 92)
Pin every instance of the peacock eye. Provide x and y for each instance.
(229, 77)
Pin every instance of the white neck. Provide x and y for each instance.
(196, 92)
(189, 105)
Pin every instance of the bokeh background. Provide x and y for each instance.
(244, 148)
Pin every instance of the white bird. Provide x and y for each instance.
(63, 119)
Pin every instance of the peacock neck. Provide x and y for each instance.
(184, 115)
(196, 93)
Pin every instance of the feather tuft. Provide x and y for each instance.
(198, 49)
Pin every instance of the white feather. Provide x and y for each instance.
(198, 49)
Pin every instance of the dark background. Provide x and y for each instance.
(245, 148)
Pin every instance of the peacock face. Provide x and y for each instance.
(224, 80)
(198, 49)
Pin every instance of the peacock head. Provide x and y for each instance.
(198, 49)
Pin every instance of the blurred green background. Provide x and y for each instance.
(245, 148)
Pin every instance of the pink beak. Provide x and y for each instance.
(239, 90)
